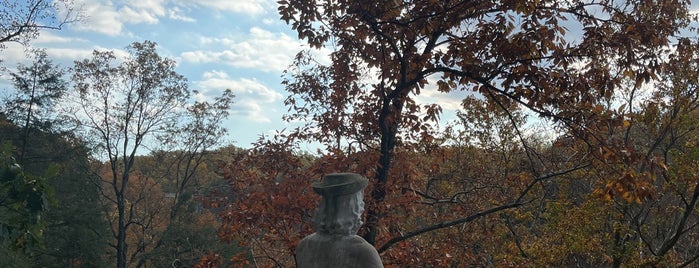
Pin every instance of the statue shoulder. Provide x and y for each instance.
(319, 250)
(358, 241)
(363, 251)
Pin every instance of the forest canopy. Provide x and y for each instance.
(575, 142)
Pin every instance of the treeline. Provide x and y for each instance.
(608, 179)
(107, 161)
(111, 167)
(56, 213)
(575, 144)
(494, 190)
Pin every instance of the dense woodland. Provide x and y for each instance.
(576, 144)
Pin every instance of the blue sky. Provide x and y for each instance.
(218, 44)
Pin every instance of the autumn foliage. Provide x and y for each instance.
(574, 144)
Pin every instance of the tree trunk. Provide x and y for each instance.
(28, 120)
(388, 123)
(121, 232)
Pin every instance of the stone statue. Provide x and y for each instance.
(335, 244)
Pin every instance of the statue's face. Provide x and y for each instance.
(340, 214)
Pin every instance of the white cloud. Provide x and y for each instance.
(156, 7)
(51, 37)
(448, 101)
(177, 13)
(101, 17)
(694, 11)
(12, 54)
(83, 53)
(270, 21)
(251, 7)
(260, 49)
(143, 11)
(15, 53)
(136, 16)
(109, 17)
(69, 53)
(252, 99)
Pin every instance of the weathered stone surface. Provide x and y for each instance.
(342, 251)
(337, 219)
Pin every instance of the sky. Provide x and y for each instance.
(218, 44)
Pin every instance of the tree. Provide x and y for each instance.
(39, 87)
(271, 207)
(510, 52)
(563, 62)
(655, 184)
(184, 243)
(202, 132)
(267, 209)
(23, 202)
(77, 234)
(635, 205)
(128, 108)
(184, 176)
(182, 165)
(75, 228)
(148, 213)
(22, 21)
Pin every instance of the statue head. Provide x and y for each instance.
(341, 208)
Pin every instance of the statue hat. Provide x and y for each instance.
(335, 184)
